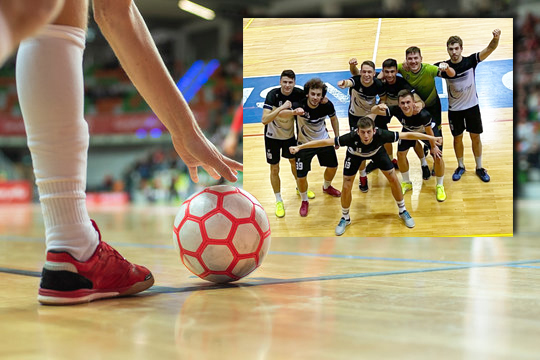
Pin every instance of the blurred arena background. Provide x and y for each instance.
(131, 158)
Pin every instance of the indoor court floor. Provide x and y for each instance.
(312, 298)
(322, 48)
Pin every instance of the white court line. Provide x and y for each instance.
(377, 41)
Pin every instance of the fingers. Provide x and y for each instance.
(212, 172)
(193, 174)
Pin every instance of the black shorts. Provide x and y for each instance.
(353, 162)
(353, 121)
(326, 155)
(462, 120)
(382, 122)
(275, 146)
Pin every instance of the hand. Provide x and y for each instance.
(196, 150)
(443, 66)
(439, 140)
(382, 107)
(496, 33)
(230, 143)
(287, 104)
(417, 108)
(336, 147)
(436, 152)
(324, 100)
(298, 111)
(341, 84)
(404, 65)
(353, 62)
(293, 149)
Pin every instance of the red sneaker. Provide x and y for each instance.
(106, 274)
(304, 208)
(332, 191)
(363, 184)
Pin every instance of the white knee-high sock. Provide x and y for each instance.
(50, 88)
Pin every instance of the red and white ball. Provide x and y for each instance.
(222, 233)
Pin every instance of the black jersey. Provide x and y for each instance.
(362, 97)
(312, 125)
(358, 148)
(462, 87)
(392, 90)
(281, 128)
(417, 122)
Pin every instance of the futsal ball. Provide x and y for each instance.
(222, 233)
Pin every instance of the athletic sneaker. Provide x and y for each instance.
(370, 167)
(304, 208)
(66, 281)
(482, 174)
(280, 209)
(363, 184)
(458, 173)
(340, 228)
(332, 191)
(310, 194)
(394, 162)
(441, 195)
(406, 186)
(407, 219)
(426, 174)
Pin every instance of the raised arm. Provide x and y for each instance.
(125, 30)
(335, 125)
(270, 115)
(419, 136)
(492, 45)
(353, 65)
(443, 67)
(312, 144)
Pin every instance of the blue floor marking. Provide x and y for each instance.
(491, 91)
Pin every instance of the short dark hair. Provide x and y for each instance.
(454, 39)
(413, 50)
(368, 63)
(403, 93)
(365, 123)
(314, 83)
(288, 73)
(389, 63)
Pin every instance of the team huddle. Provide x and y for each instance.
(412, 98)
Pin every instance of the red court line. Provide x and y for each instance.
(390, 127)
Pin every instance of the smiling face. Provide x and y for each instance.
(414, 61)
(287, 85)
(314, 97)
(454, 50)
(367, 72)
(390, 74)
(406, 104)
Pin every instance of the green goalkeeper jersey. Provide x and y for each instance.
(423, 81)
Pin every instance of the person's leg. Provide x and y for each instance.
(403, 163)
(346, 199)
(274, 179)
(398, 196)
(23, 18)
(439, 173)
(79, 267)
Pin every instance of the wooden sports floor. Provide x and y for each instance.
(318, 46)
(312, 298)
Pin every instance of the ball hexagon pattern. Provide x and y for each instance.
(222, 233)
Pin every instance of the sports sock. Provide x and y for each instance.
(50, 88)
(405, 176)
(460, 162)
(345, 213)
(401, 205)
(278, 197)
(440, 180)
(423, 161)
(363, 173)
(326, 184)
(478, 162)
(303, 195)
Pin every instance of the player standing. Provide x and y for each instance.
(463, 108)
(279, 132)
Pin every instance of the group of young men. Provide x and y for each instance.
(411, 98)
